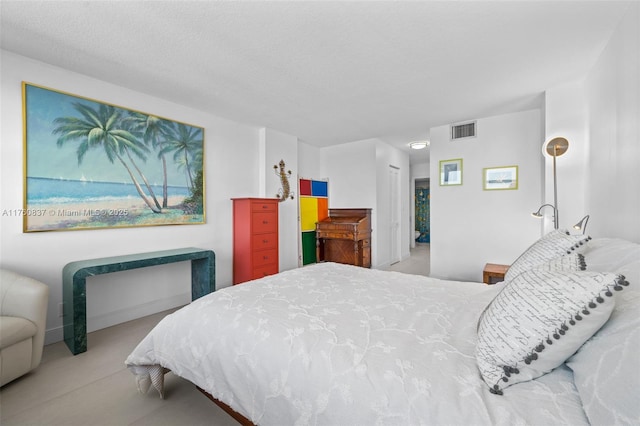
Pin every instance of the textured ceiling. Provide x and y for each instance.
(327, 72)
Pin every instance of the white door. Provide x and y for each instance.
(394, 213)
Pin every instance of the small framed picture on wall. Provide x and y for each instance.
(451, 172)
(498, 178)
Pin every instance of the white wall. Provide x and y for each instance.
(276, 146)
(309, 165)
(470, 226)
(359, 178)
(566, 116)
(231, 170)
(420, 171)
(352, 171)
(613, 102)
(600, 116)
(599, 174)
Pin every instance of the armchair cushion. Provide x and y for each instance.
(23, 317)
(15, 330)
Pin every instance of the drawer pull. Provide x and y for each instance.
(265, 257)
(265, 241)
(265, 222)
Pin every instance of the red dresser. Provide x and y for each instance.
(255, 238)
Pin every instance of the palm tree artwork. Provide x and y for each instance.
(102, 129)
(185, 144)
(120, 155)
(154, 130)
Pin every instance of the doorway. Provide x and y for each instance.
(422, 211)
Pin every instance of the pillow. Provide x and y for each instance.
(570, 262)
(605, 368)
(556, 243)
(540, 319)
(613, 255)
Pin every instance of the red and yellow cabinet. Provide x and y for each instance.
(255, 238)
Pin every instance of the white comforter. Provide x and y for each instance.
(331, 344)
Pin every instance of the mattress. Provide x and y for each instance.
(333, 344)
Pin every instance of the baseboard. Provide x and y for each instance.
(99, 322)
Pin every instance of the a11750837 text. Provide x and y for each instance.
(58, 212)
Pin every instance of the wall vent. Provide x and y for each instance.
(463, 130)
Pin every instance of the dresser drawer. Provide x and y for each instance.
(263, 271)
(263, 207)
(264, 257)
(264, 222)
(339, 235)
(264, 241)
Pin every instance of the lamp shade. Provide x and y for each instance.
(582, 225)
(555, 147)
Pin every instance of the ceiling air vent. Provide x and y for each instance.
(463, 130)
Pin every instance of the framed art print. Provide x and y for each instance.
(451, 172)
(499, 178)
(92, 165)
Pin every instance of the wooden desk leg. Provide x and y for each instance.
(356, 260)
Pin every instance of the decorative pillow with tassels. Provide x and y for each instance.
(570, 262)
(556, 243)
(540, 319)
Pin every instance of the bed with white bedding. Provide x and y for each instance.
(333, 344)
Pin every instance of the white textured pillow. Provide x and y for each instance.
(540, 319)
(569, 262)
(556, 243)
(606, 368)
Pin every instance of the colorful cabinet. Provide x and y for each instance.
(255, 238)
(314, 207)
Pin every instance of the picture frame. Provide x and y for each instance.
(451, 172)
(500, 178)
(93, 165)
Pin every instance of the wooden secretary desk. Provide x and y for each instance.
(345, 237)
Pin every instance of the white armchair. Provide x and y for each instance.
(23, 316)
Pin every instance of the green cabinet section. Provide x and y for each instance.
(308, 247)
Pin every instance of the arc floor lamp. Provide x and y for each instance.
(555, 148)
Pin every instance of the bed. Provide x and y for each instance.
(334, 344)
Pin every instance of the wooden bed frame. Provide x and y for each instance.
(237, 416)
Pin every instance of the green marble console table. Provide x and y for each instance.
(74, 280)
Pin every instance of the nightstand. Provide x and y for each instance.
(493, 273)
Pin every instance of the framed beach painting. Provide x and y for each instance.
(496, 178)
(92, 165)
(451, 172)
